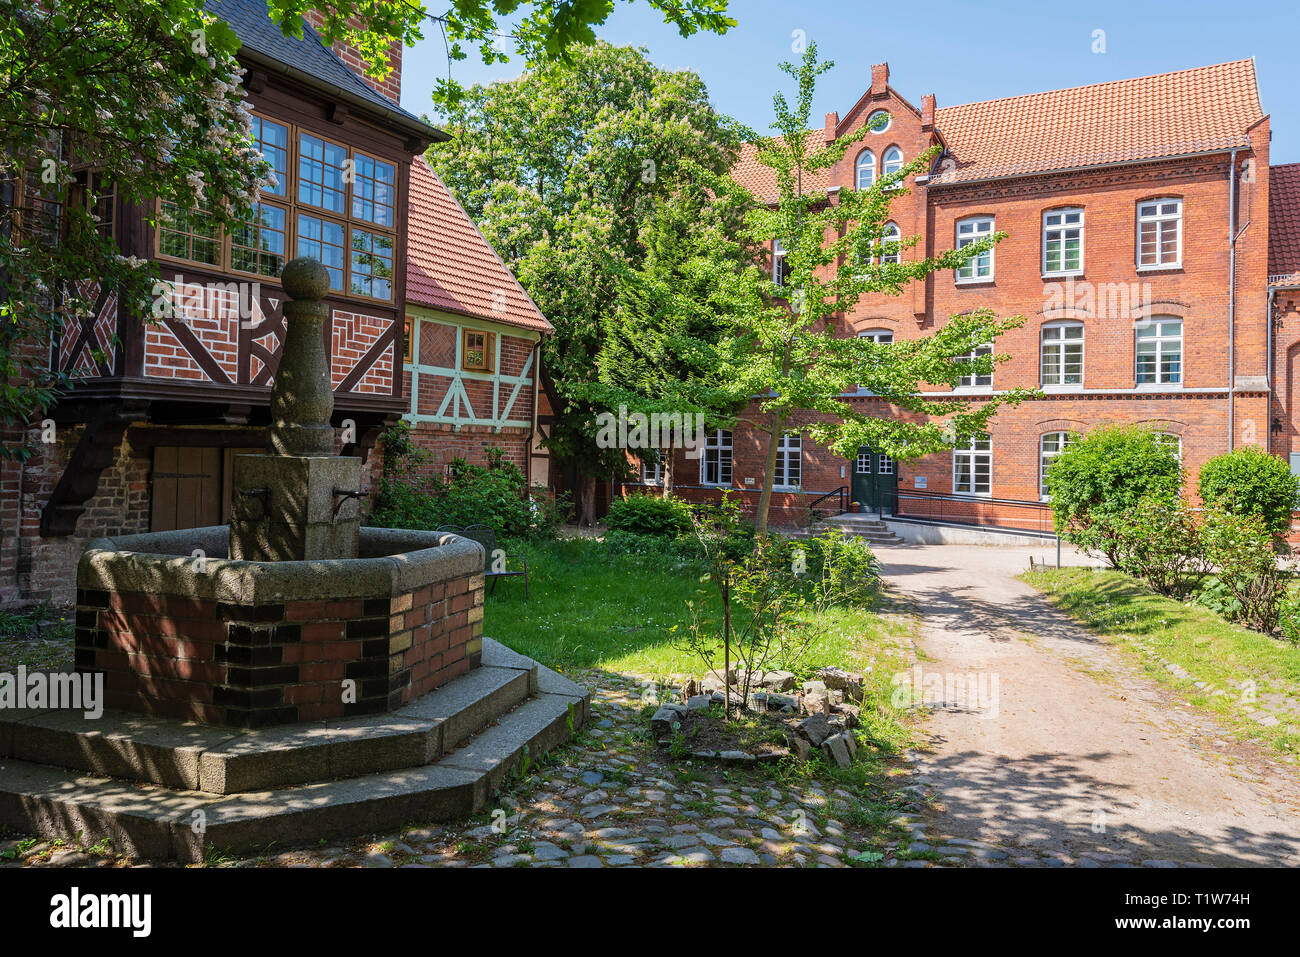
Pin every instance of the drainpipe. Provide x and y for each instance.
(1232, 299)
(1268, 369)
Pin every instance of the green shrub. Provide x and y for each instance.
(1159, 542)
(649, 515)
(1250, 481)
(495, 494)
(1242, 548)
(1099, 481)
(680, 547)
(1218, 598)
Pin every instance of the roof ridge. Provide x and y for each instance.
(1103, 83)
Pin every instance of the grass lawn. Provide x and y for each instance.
(591, 609)
(1247, 669)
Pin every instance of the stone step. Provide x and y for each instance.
(190, 756)
(148, 820)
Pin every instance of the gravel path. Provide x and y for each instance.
(1052, 746)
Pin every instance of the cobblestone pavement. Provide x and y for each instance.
(613, 799)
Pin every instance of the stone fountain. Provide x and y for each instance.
(289, 677)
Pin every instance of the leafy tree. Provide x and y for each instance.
(1102, 479)
(563, 169)
(547, 32)
(658, 354)
(1249, 481)
(781, 348)
(140, 99)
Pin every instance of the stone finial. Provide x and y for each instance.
(302, 399)
(305, 278)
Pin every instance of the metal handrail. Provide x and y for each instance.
(1043, 518)
(842, 491)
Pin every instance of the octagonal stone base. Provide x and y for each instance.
(178, 629)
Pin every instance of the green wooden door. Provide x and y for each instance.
(875, 480)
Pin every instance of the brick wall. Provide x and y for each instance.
(255, 665)
(390, 86)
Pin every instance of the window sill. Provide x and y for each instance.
(1163, 267)
(973, 390)
(1158, 386)
(1053, 276)
(1061, 389)
(974, 282)
(988, 494)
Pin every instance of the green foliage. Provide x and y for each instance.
(537, 31)
(1242, 548)
(1215, 596)
(148, 94)
(1251, 481)
(1160, 543)
(495, 494)
(566, 170)
(772, 594)
(649, 515)
(680, 548)
(781, 343)
(1099, 481)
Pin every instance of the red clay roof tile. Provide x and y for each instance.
(450, 266)
(1284, 224)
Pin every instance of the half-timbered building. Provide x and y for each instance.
(144, 438)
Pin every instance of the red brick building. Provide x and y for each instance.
(1138, 224)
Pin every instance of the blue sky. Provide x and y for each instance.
(960, 51)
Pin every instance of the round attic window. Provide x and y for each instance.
(879, 121)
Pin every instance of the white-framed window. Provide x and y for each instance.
(1061, 357)
(1050, 445)
(1062, 242)
(890, 234)
(879, 336)
(891, 161)
(1173, 441)
(972, 467)
(788, 462)
(652, 473)
(879, 121)
(977, 381)
(1159, 233)
(715, 463)
(978, 268)
(863, 466)
(779, 270)
(1158, 351)
(865, 169)
(884, 465)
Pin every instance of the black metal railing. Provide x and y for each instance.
(1009, 513)
(842, 493)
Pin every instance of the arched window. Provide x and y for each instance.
(866, 169)
(892, 161)
(890, 234)
(879, 336)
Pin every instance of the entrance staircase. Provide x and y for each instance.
(862, 525)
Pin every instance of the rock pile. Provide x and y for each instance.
(831, 700)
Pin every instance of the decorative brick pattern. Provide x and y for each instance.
(257, 665)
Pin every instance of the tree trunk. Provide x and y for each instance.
(666, 458)
(769, 474)
(586, 501)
